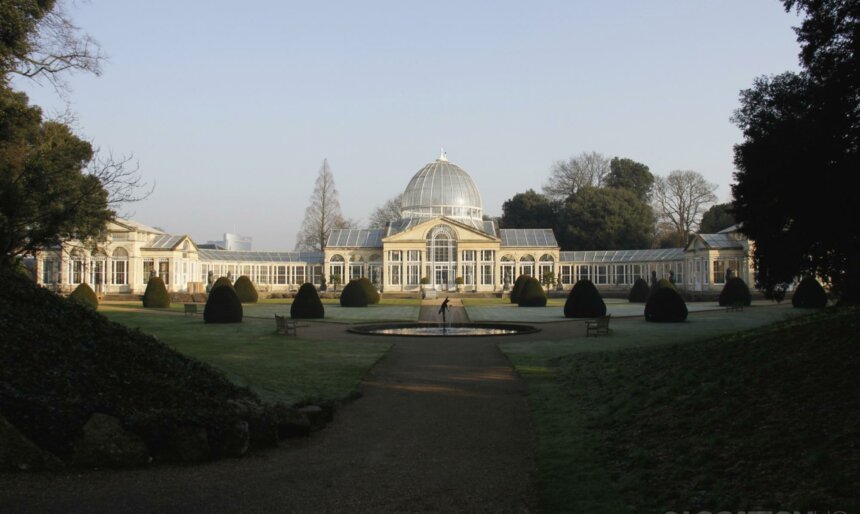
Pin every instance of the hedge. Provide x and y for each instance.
(245, 290)
(84, 295)
(809, 294)
(532, 294)
(665, 305)
(735, 291)
(518, 286)
(640, 291)
(223, 306)
(156, 295)
(307, 304)
(354, 295)
(584, 301)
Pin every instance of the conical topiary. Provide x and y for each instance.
(245, 290)
(584, 301)
(84, 295)
(639, 292)
(307, 304)
(354, 295)
(518, 286)
(369, 290)
(532, 294)
(735, 292)
(156, 295)
(665, 305)
(222, 281)
(223, 306)
(809, 294)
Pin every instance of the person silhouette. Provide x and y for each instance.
(444, 309)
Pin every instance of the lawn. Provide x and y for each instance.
(575, 471)
(251, 354)
(394, 309)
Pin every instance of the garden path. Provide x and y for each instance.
(443, 425)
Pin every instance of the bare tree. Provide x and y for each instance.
(681, 198)
(390, 211)
(588, 169)
(323, 214)
(47, 44)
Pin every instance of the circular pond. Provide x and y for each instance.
(447, 330)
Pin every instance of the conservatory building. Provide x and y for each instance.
(441, 242)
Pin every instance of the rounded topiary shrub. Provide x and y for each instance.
(665, 305)
(223, 306)
(156, 294)
(518, 287)
(307, 304)
(222, 281)
(663, 283)
(735, 292)
(369, 290)
(245, 290)
(84, 295)
(584, 301)
(532, 294)
(639, 292)
(809, 294)
(354, 295)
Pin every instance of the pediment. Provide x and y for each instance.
(419, 232)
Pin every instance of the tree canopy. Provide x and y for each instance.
(717, 218)
(588, 169)
(389, 212)
(527, 210)
(796, 178)
(681, 198)
(631, 175)
(605, 219)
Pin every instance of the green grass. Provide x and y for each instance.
(277, 368)
(573, 468)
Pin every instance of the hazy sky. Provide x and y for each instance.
(230, 109)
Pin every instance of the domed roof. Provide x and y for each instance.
(442, 188)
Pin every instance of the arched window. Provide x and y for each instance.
(98, 266)
(76, 267)
(546, 273)
(527, 265)
(336, 269)
(356, 267)
(119, 267)
(441, 256)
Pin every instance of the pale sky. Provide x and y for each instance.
(230, 109)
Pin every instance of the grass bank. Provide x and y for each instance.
(276, 368)
(635, 421)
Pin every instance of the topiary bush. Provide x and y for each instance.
(369, 290)
(222, 281)
(156, 295)
(584, 301)
(665, 305)
(639, 292)
(809, 295)
(245, 290)
(223, 306)
(518, 287)
(84, 295)
(354, 295)
(307, 304)
(532, 294)
(735, 292)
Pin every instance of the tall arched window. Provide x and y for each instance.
(441, 257)
(545, 270)
(335, 269)
(119, 267)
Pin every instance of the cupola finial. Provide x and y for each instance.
(443, 156)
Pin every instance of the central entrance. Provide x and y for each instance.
(442, 257)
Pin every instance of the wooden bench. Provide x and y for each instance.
(190, 308)
(285, 326)
(737, 306)
(597, 326)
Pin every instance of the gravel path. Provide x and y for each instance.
(443, 426)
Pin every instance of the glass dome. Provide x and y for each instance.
(442, 188)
